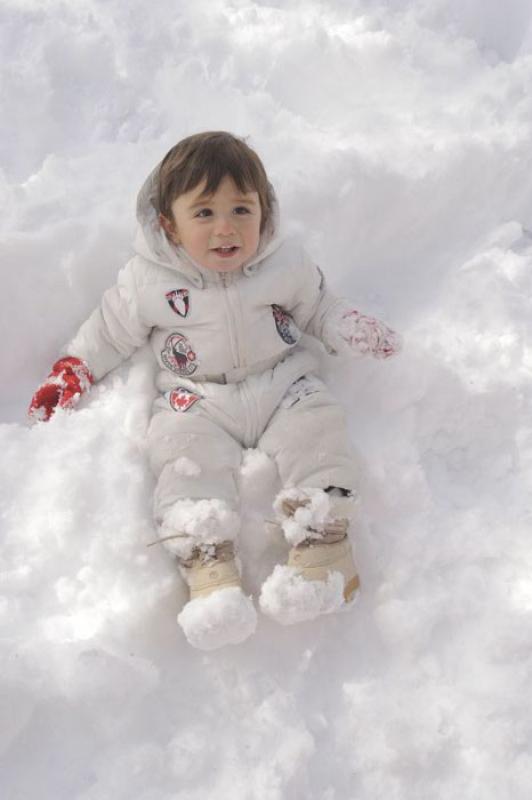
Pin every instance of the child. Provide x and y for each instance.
(224, 300)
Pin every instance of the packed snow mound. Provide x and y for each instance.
(397, 136)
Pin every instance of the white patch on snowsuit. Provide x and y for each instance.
(303, 387)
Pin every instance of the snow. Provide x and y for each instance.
(289, 598)
(201, 522)
(309, 513)
(398, 137)
(224, 617)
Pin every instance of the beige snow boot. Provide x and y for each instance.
(325, 550)
(315, 560)
(207, 572)
(320, 576)
(218, 612)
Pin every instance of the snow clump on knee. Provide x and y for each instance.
(185, 466)
(194, 523)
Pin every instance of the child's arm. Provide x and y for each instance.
(111, 334)
(335, 322)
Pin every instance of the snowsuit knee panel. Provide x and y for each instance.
(308, 438)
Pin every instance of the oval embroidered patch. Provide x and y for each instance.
(178, 355)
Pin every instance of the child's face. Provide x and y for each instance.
(220, 232)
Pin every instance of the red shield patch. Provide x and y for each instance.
(181, 399)
(179, 301)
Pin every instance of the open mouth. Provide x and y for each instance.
(227, 251)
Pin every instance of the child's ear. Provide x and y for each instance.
(169, 228)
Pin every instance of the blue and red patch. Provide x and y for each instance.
(286, 327)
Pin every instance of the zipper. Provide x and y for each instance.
(234, 318)
(235, 324)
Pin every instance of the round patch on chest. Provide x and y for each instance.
(178, 355)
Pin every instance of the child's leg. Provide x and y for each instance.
(195, 504)
(195, 463)
(308, 439)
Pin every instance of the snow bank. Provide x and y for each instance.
(398, 136)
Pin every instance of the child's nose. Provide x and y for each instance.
(224, 226)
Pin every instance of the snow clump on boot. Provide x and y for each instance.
(304, 513)
(191, 523)
(289, 598)
(223, 617)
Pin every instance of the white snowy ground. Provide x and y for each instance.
(398, 135)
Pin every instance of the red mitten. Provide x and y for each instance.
(69, 379)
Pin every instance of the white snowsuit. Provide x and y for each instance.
(234, 370)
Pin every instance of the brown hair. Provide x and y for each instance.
(210, 157)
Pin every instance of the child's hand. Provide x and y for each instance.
(356, 334)
(69, 379)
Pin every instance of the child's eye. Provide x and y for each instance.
(242, 210)
(204, 212)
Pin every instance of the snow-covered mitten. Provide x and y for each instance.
(69, 379)
(320, 576)
(218, 612)
(348, 332)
